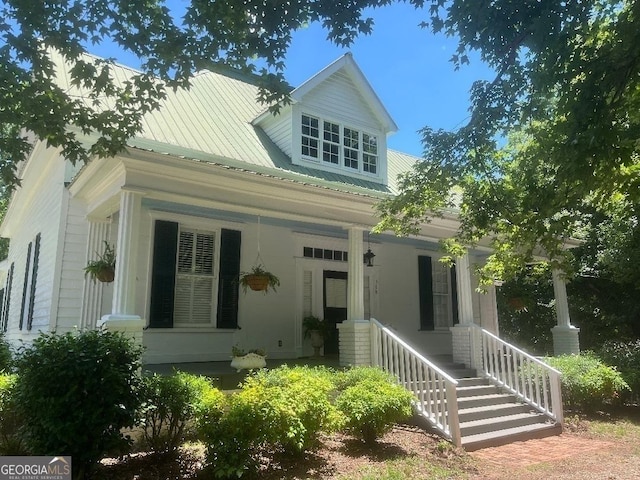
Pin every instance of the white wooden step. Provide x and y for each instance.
(491, 424)
(485, 400)
(510, 435)
(488, 411)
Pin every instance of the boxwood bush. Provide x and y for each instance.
(75, 392)
(588, 383)
(625, 356)
(5, 355)
(371, 402)
(170, 404)
(11, 438)
(285, 409)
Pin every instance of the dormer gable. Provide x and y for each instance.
(335, 123)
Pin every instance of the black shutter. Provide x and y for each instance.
(6, 299)
(454, 294)
(34, 276)
(25, 285)
(425, 285)
(163, 275)
(228, 286)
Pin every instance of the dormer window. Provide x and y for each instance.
(340, 145)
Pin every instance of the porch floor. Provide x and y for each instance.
(227, 378)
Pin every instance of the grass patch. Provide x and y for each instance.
(408, 468)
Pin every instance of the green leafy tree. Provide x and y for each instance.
(556, 131)
(236, 33)
(551, 138)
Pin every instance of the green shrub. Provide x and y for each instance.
(170, 405)
(11, 439)
(76, 392)
(5, 355)
(587, 383)
(233, 441)
(625, 356)
(299, 405)
(355, 375)
(372, 405)
(285, 408)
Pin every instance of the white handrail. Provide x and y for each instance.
(434, 389)
(531, 380)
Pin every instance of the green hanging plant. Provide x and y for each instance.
(259, 280)
(104, 267)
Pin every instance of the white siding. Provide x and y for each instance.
(338, 98)
(278, 129)
(37, 208)
(74, 241)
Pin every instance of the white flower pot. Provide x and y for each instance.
(248, 362)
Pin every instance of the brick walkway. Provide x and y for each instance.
(523, 454)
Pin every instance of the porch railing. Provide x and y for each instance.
(435, 391)
(531, 380)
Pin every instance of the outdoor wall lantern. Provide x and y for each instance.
(368, 257)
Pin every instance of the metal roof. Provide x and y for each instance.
(212, 121)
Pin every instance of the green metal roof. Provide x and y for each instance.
(212, 122)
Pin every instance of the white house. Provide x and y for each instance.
(213, 182)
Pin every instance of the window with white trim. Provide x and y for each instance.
(195, 277)
(441, 295)
(341, 146)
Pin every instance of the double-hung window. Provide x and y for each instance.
(339, 146)
(195, 277)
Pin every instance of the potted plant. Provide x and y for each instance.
(259, 280)
(241, 359)
(317, 330)
(104, 267)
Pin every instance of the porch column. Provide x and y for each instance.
(465, 349)
(123, 317)
(565, 336)
(354, 333)
(92, 290)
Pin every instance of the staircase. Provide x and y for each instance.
(488, 417)
(516, 398)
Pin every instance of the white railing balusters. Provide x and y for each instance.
(434, 389)
(531, 380)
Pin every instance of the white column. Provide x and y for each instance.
(465, 290)
(565, 336)
(92, 290)
(355, 332)
(465, 348)
(123, 315)
(355, 279)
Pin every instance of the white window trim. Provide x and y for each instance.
(216, 274)
(317, 163)
(199, 223)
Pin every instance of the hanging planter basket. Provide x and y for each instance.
(106, 276)
(103, 268)
(258, 283)
(259, 280)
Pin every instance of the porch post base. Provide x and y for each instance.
(465, 346)
(355, 342)
(130, 325)
(566, 340)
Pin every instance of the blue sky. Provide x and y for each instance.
(407, 66)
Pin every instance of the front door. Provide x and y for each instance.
(335, 307)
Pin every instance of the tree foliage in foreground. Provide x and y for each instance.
(210, 33)
(555, 134)
(552, 140)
